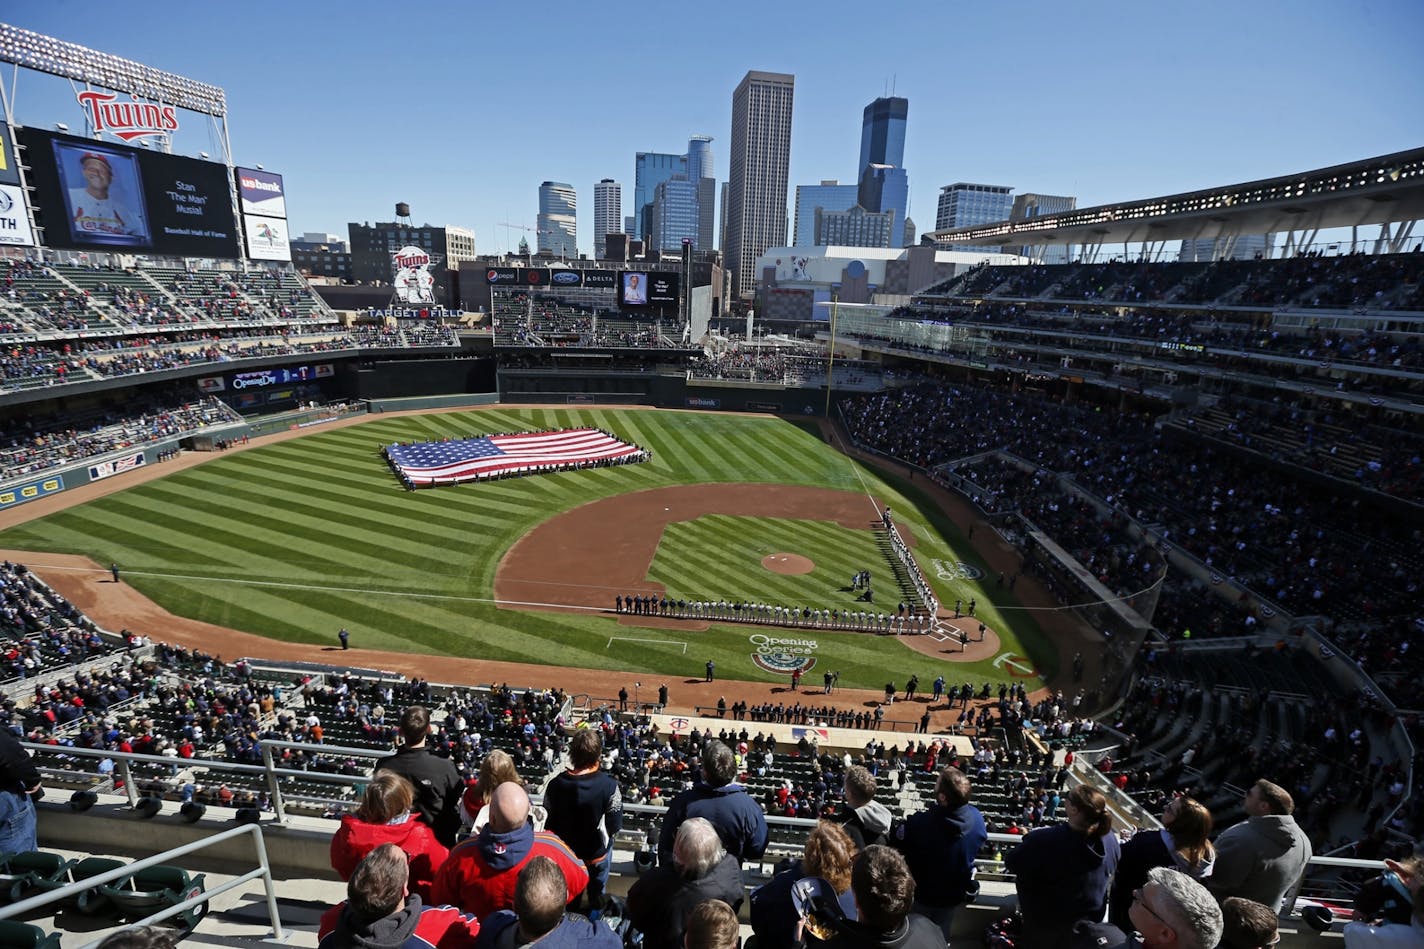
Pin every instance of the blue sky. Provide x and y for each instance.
(461, 109)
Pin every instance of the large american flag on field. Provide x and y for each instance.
(469, 459)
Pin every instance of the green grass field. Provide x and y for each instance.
(297, 539)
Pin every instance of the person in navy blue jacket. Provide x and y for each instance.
(739, 820)
(940, 844)
(1062, 871)
(380, 912)
(585, 808)
(540, 898)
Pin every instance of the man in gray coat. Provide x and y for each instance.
(1262, 857)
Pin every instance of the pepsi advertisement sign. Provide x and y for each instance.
(504, 275)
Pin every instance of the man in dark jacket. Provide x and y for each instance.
(940, 844)
(585, 809)
(661, 900)
(864, 818)
(437, 784)
(738, 819)
(540, 899)
(884, 893)
(380, 913)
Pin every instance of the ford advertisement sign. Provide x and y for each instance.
(566, 278)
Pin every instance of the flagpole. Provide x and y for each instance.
(835, 301)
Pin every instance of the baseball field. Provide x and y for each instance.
(297, 539)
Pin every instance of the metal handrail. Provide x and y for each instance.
(263, 870)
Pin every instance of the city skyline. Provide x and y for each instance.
(331, 103)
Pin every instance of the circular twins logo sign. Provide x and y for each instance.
(957, 570)
(783, 656)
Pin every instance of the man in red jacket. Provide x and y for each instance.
(380, 913)
(481, 872)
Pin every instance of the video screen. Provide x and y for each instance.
(96, 195)
(633, 288)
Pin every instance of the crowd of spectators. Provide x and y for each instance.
(34, 444)
(1311, 279)
(1291, 541)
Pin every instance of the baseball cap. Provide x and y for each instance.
(95, 156)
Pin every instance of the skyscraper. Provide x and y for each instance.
(651, 169)
(1030, 205)
(558, 219)
(884, 183)
(672, 216)
(607, 213)
(966, 205)
(882, 132)
(760, 158)
(829, 195)
(704, 179)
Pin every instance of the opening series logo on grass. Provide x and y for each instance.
(782, 656)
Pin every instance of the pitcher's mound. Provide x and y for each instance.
(788, 563)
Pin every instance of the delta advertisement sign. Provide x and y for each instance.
(540, 277)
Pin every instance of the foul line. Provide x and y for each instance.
(663, 642)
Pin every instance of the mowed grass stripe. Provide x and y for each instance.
(267, 539)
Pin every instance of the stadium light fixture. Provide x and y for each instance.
(80, 64)
(61, 126)
(202, 154)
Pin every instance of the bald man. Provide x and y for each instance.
(481, 873)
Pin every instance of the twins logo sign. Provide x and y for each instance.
(783, 656)
(957, 570)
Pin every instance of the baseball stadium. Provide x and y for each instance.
(1128, 531)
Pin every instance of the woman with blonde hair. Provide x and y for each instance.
(385, 817)
(1062, 871)
(829, 854)
(496, 769)
(1181, 844)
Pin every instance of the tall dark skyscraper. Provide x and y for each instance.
(882, 133)
(884, 183)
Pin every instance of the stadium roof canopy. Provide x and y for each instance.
(1375, 191)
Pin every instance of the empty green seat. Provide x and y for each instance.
(15, 935)
(31, 870)
(155, 888)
